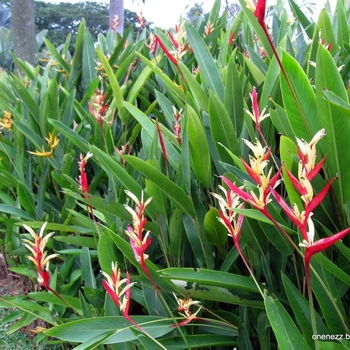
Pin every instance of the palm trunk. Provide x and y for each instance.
(23, 29)
(116, 8)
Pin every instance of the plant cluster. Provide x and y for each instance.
(195, 184)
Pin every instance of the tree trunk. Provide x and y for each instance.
(23, 29)
(116, 8)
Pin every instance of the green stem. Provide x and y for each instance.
(236, 241)
(65, 301)
(311, 304)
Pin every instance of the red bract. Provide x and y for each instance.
(260, 10)
(161, 140)
(232, 38)
(166, 51)
(318, 246)
(82, 179)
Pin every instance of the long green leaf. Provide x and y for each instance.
(287, 334)
(301, 310)
(119, 328)
(205, 61)
(71, 135)
(175, 193)
(199, 148)
(337, 125)
(117, 92)
(300, 104)
(222, 128)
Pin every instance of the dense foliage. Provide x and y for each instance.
(187, 189)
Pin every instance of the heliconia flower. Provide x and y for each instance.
(208, 29)
(125, 149)
(153, 44)
(6, 122)
(307, 153)
(52, 142)
(177, 123)
(115, 24)
(227, 203)
(98, 107)
(141, 19)
(162, 144)
(251, 198)
(256, 115)
(39, 255)
(184, 309)
(114, 286)
(179, 43)
(82, 179)
(139, 240)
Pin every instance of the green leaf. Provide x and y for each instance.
(175, 193)
(337, 125)
(337, 102)
(119, 329)
(300, 104)
(117, 93)
(205, 61)
(89, 55)
(114, 168)
(71, 135)
(234, 102)
(82, 241)
(327, 295)
(222, 128)
(75, 70)
(287, 334)
(106, 252)
(308, 26)
(211, 278)
(301, 310)
(169, 84)
(87, 273)
(195, 88)
(325, 27)
(199, 149)
(199, 341)
(26, 198)
(214, 285)
(51, 298)
(150, 128)
(216, 232)
(19, 213)
(139, 83)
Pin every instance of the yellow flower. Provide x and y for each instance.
(6, 122)
(52, 142)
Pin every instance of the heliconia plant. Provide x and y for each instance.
(197, 181)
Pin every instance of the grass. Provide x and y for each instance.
(19, 340)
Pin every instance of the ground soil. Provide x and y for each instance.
(12, 284)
